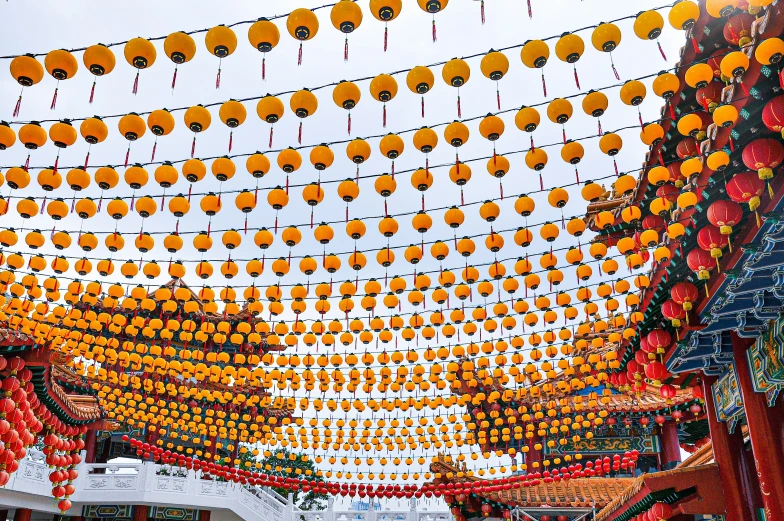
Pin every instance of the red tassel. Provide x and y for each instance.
(639, 116)
(615, 71)
(92, 92)
(190, 190)
(349, 123)
(600, 126)
(133, 198)
(287, 184)
(616, 168)
(346, 213)
(661, 50)
(128, 153)
(18, 106)
(270, 139)
(459, 112)
(695, 45)
(672, 111)
(577, 175)
(530, 11)
(732, 144)
(43, 206)
(544, 85)
(135, 84)
(217, 79)
(174, 77)
(386, 37)
(299, 134)
(482, 10)
(345, 50)
(193, 146)
(497, 96)
(434, 30)
(154, 148)
(246, 223)
(27, 162)
(423, 106)
(576, 77)
(386, 212)
(299, 58)
(661, 158)
(532, 142)
(264, 67)
(54, 99)
(462, 199)
(384, 118)
(744, 88)
(57, 161)
(231, 139)
(393, 169)
(501, 188)
(541, 182)
(563, 130)
(86, 160)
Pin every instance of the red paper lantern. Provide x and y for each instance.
(737, 30)
(668, 392)
(700, 262)
(715, 62)
(746, 187)
(653, 222)
(673, 312)
(687, 147)
(710, 96)
(763, 155)
(725, 214)
(660, 511)
(710, 239)
(656, 372)
(669, 192)
(660, 340)
(773, 115)
(684, 294)
(487, 509)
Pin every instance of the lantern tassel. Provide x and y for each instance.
(299, 133)
(349, 123)
(264, 67)
(54, 98)
(599, 126)
(770, 191)
(544, 85)
(501, 189)
(57, 161)
(217, 78)
(661, 50)
(530, 11)
(384, 116)
(135, 84)
(482, 11)
(497, 96)
(639, 116)
(345, 50)
(18, 106)
(423, 106)
(757, 217)
(459, 112)
(435, 37)
(672, 111)
(193, 146)
(577, 175)
(615, 164)
(707, 293)
(86, 160)
(174, 77)
(695, 45)
(541, 182)
(270, 138)
(299, 56)
(231, 139)
(128, 154)
(92, 92)
(462, 198)
(386, 37)
(576, 77)
(154, 148)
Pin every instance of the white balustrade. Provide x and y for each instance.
(146, 483)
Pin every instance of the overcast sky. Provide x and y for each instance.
(41, 26)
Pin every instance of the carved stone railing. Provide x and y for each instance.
(147, 483)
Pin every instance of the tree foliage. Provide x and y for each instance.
(292, 465)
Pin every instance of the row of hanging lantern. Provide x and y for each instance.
(346, 16)
(304, 103)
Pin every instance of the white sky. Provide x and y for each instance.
(42, 26)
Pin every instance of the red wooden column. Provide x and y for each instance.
(766, 431)
(204, 515)
(671, 453)
(90, 445)
(726, 450)
(23, 514)
(140, 512)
